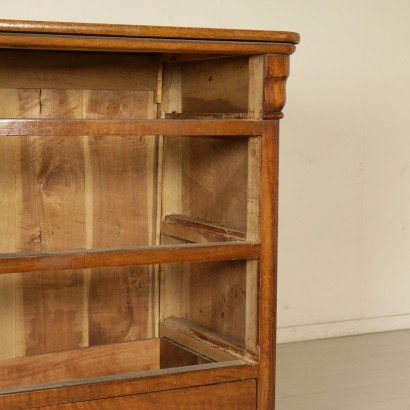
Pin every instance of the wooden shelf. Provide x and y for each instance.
(202, 340)
(197, 230)
(82, 259)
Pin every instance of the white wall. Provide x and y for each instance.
(344, 264)
(345, 187)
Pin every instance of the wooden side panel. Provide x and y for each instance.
(217, 297)
(119, 299)
(215, 189)
(51, 217)
(174, 286)
(207, 178)
(215, 86)
(228, 396)
(211, 294)
(214, 178)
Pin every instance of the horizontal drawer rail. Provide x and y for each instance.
(67, 128)
(141, 255)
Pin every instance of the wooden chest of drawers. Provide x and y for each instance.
(138, 223)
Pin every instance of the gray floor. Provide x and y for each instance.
(347, 373)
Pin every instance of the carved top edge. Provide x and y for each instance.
(156, 32)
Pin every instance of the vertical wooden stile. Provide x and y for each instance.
(172, 278)
(153, 191)
(89, 223)
(155, 283)
(155, 292)
(276, 71)
(268, 266)
(255, 111)
(172, 169)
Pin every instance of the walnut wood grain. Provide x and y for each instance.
(9, 106)
(82, 259)
(51, 217)
(162, 380)
(276, 75)
(21, 26)
(50, 128)
(120, 201)
(227, 396)
(140, 45)
(268, 266)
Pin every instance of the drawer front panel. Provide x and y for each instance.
(228, 396)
